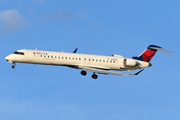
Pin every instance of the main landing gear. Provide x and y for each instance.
(13, 66)
(83, 72)
(94, 76)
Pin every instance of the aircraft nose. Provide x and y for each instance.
(150, 64)
(8, 58)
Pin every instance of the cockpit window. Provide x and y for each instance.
(19, 53)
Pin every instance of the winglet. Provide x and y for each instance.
(75, 50)
(138, 72)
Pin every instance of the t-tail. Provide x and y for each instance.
(149, 53)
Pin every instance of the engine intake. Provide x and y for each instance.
(129, 62)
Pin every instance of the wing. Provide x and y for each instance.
(100, 71)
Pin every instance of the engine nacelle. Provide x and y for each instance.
(130, 62)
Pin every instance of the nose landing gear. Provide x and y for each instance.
(13, 66)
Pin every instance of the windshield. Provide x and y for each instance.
(19, 53)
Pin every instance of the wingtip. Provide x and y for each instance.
(173, 53)
(138, 72)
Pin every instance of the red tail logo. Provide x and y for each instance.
(148, 54)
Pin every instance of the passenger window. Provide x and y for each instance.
(59, 57)
(96, 60)
(62, 57)
(84, 59)
(66, 57)
(51, 56)
(79, 58)
(103, 60)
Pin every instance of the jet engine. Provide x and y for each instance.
(130, 62)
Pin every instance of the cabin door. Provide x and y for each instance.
(29, 55)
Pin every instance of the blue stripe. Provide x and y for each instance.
(153, 46)
(72, 66)
(150, 57)
(138, 58)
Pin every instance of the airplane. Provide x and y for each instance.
(93, 63)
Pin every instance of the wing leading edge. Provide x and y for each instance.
(100, 71)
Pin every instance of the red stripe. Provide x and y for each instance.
(147, 54)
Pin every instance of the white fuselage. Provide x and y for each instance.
(75, 60)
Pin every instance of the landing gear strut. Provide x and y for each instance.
(83, 72)
(94, 76)
(13, 66)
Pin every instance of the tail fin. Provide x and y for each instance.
(148, 54)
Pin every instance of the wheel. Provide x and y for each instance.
(94, 76)
(83, 72)
(13, 66)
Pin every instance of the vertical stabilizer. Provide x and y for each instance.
(148, 54)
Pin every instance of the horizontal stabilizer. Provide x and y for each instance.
(157, 48)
